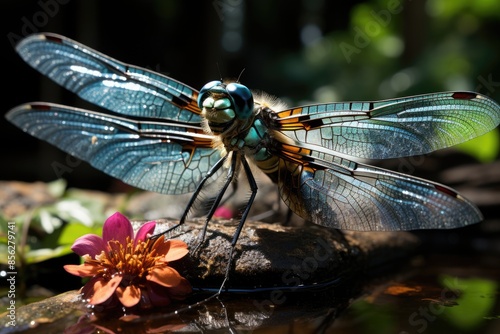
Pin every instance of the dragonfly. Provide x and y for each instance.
(161, 135)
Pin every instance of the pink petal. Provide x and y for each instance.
(144, 232)
(128, 296)
(100, 289)
(166, 276)
(223, 212)
(90, 244)
(117, 227)
(82, 270)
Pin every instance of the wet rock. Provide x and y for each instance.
(56, 311)
(274, 255)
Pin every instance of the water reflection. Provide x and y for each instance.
(436, 294)
(443, 294)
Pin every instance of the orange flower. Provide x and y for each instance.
(132, 271)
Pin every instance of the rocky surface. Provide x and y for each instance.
(287, 256)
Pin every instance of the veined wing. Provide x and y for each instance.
(165, 157)
(109, 83)
(392, 128)
(340, 193)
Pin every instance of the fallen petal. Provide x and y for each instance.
(223, 212)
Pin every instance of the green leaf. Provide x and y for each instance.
(39, 255)
(57, 188)
(73, 231)
(48, 221)
(73, 210)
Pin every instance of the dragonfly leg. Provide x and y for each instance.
(211, 172)
(253, 189)
(276, 208)
(234, 189)
(229, 178)
(288, 218)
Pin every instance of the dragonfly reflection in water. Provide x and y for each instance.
(164, 136)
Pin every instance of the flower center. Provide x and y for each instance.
(134, 262)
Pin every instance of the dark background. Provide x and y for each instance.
(292, 49)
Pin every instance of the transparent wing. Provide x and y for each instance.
(109, 83)
(343, 194)
(165, 157)
(392, 128)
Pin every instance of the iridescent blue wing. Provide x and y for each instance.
(319, 181)
(167, 157)
(343, 194)
(159, 144)
(392, 128)
(109, 83)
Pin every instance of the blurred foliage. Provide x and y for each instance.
(379, 319)
(372, 58)
(481, 8)
(402, 48)
(476, 300)
(38, 230)
(48, 231)
(451, 302)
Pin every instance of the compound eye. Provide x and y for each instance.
(204, 91)
(242, 99)
(210, 85)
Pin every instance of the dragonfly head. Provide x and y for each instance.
(223, 103)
